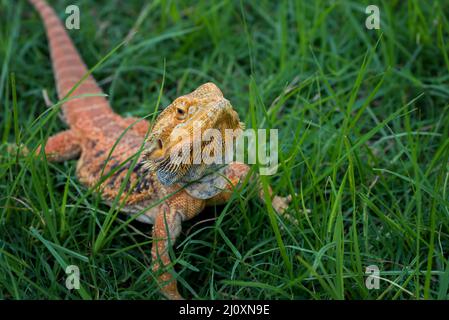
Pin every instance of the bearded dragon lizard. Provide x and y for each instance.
(99, 139)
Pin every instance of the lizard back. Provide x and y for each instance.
(94, 123)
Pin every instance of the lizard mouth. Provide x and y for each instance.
(170, 170)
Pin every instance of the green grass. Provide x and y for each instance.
(363, 123)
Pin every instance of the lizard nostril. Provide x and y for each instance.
(159, 143)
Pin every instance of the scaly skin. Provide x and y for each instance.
(95, 129)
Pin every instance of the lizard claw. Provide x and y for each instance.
(280, 204)
(12, 148)
(175, 295)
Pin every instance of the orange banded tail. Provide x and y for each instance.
(69, 68)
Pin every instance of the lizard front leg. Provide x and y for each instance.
(167, 227)
(236, 172)
(63, 146)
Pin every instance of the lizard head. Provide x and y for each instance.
(189, 133)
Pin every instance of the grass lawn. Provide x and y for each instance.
(363, 124)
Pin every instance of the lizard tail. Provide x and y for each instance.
(69, 68)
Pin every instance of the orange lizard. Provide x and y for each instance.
(95, 130)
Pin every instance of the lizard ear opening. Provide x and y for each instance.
(181, 114)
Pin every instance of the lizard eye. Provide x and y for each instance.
(181, 113)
